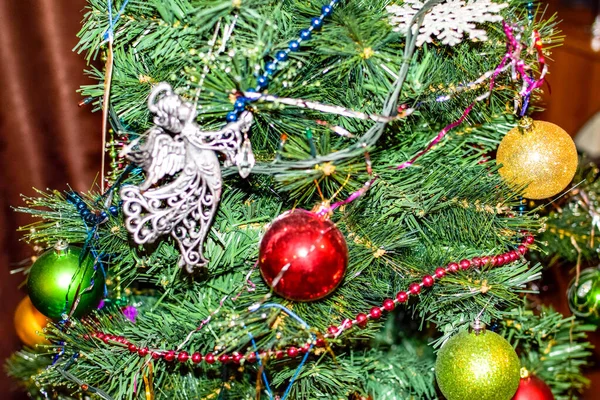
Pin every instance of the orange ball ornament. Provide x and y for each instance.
(540, 155)
(28, 322)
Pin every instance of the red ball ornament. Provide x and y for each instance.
(302, 256)
(533, 388)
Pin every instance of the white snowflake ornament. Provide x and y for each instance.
(448, 21)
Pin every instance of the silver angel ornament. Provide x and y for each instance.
(182, 189)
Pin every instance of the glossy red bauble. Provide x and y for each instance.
(533, 388)
(302, 256)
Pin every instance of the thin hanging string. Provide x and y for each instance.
(260, 365)
(109, 37)
(299, 368)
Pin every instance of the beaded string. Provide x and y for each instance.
(273, 66)
(361, 319)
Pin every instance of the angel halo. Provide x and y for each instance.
(176, 147)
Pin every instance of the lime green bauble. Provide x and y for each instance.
(584, 295)
(480, 366)
(56, 278)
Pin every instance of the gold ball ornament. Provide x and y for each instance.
(29, 323)
(540, 155)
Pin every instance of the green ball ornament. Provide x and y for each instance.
(477, 366)
(584, 295)
(56, 278)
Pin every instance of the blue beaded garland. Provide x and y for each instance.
(281, 56)
(113, 210)
(81, 205)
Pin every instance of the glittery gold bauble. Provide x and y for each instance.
(29, 323)
(540, 155)
(480, 366)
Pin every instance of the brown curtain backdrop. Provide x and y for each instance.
(46, 140)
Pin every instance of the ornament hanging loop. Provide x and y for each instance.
(478, 327)
(525, 124)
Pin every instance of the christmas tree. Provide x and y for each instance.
(302, 200)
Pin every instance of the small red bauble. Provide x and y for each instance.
(439, 273)
(414, 288)
(529, 240)
(389, 304)
(485, 260)
(465, 264)
(196, 358)
(183, 356)
(236, 358)
(522, 249)
(224, 358)
(311, 249)
(428, 280)
(453, 267)
(333, 330)
(375, 312)
(292, 352)
(209, 358)
(156, 355)
(320, 342)
(477, 261)
(132, 348)
(143, 352)
(251, 357)
(402, 297)
(361, 320)
(170, 355)
(533, 388)
(279, 354)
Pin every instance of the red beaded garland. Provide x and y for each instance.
(402, 297)
(302, 256)
(389, 304)
(183, 356)
(375, 312)
(196, 358)
(428, 280)
(361, 318)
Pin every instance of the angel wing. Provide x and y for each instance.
(159, 155)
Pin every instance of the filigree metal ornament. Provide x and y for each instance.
(184, 205)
